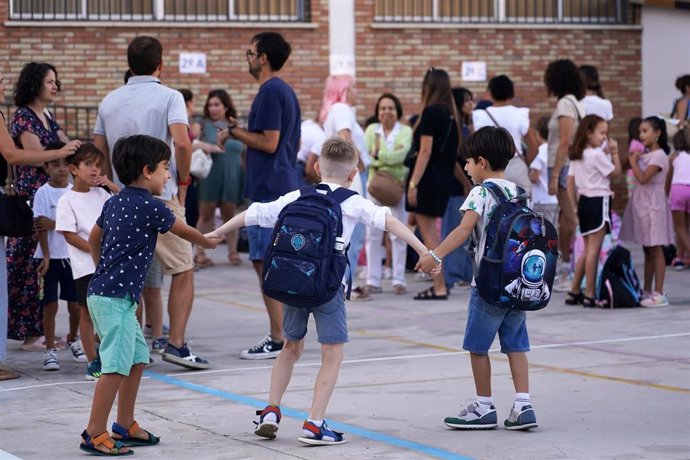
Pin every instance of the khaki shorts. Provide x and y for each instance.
(174, 253)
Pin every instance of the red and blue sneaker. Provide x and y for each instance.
(269, 418)
(320, 435)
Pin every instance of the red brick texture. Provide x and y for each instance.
(92, 60)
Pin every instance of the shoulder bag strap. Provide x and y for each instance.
(492, 117)
(445, 139)
(577, 111)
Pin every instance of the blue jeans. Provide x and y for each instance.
(457, 266)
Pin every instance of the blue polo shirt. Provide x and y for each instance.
(271, 175)
(131, 221)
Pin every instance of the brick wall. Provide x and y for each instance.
(92, 60)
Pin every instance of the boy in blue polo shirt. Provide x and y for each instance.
(122, 244)
(487, 152)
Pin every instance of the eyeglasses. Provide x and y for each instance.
(251, 53)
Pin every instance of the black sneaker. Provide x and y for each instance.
(266, 349)
(184, 357)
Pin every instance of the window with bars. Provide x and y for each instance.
(507, 11)
(162, 10)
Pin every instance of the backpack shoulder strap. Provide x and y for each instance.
(498, 193)
(341, 194)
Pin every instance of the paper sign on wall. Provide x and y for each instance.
(474, 71)
(192, 62)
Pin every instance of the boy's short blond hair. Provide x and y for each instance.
(338, 158)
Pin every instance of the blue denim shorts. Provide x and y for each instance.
(330, 319)
(562, 177)
(122, 343)
(259, 239)
(484, 320)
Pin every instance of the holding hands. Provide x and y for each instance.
(429, 263)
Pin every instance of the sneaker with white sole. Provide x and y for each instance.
(50, 360)
(266, 349)
(184, 357)
(78, 354)
(269, 419)
(93, 370)
(471, 419)
(522, 418)
(655, 300)
(158, 345)
(563, 282)
(148, 331)
(320, 435)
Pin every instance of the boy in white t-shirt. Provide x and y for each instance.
(539, 175)
(77, 212)
(54, 267)
(487, 152)
(337, 167)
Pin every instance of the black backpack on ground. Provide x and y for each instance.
(618, 285)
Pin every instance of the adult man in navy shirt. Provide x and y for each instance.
(272, 140)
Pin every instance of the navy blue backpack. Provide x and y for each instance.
(618, 285)
(306, 260)
(519, 262)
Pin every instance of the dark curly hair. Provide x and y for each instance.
(30, 82)
(562, 77)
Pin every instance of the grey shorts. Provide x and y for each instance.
(154, 277)
(330, 319)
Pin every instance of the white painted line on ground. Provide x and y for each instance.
(7, 456)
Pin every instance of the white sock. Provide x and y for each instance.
(316, 422)
(484, 403)
(521, 399)
(271, 417)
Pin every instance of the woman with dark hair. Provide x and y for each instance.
(388, 142)
(437, 135)
(32, 128)
(11, 156)
(223, 188)
(594, 101)
(681, 106)
(562, 80)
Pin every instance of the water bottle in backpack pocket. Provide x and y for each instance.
(305, 263)
(518, 265)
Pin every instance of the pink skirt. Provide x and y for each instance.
(647, 219)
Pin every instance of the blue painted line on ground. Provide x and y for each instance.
(300, 415)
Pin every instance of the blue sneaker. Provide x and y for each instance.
(521, 419)
(471, 419)
(93, 370)
(184, 357)
(267, 426)
(320, 436)
(158, 345)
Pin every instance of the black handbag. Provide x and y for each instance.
(16, 216)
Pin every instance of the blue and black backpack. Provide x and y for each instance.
(618, 285)
(519, 262)
(306, 260)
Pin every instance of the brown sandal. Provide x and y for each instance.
(202, 261)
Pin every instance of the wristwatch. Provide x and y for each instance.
(186, 183)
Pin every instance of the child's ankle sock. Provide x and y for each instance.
(521, 399)
(484, 404)
(309, 434)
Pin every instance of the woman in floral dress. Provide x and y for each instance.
(32, 128)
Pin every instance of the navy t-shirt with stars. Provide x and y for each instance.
(131, 221)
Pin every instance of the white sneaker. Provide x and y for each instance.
(387, 273)
(78, 354)
(655, 300)
(563, 282)
(50, 360)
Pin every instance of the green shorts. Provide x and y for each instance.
(122, 343)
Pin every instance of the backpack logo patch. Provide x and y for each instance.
(298, 241)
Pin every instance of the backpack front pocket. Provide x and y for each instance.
(299, 236)
(291, 275)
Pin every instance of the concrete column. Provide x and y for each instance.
(341, 37)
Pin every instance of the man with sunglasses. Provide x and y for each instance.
(272, 140)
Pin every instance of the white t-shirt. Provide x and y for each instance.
(311, 140)
(483, 203)
(591, 173)
(354, 210)
(594, 105)
(77, 213)
(45, 204)
(514, 119)
(341, 116)
(540, 189)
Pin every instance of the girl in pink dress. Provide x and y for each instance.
(647, 219)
